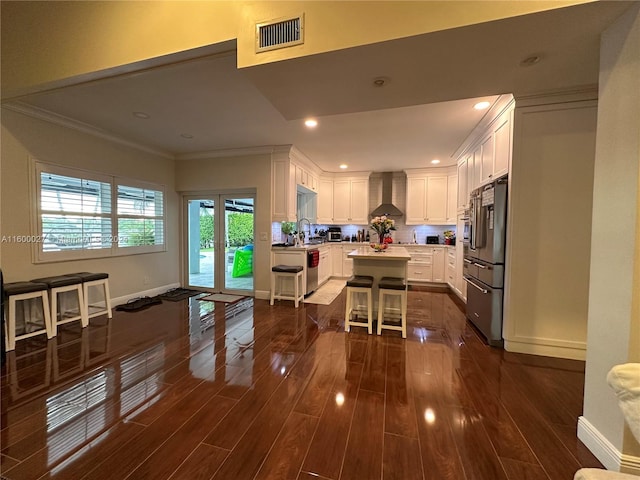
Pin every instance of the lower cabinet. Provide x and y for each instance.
(336, 260)
(347, 263)
(324, 268)
(427, 264)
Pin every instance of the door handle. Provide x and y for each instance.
(479, 265)
(483, 290)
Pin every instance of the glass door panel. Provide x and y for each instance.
(201, 243)
(220, 247)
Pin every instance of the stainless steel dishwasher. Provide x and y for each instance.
(313, 260)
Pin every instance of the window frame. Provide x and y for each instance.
(38, 253)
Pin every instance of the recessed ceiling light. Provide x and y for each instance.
(186, 135)
(343, 166)
(435, 161)
(482, 105)
(381, 81)
(141, 115)
(530, 61)
(311, 122)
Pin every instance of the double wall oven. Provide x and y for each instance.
(484, 258)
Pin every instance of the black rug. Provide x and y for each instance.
(139, 304)
(179, 294)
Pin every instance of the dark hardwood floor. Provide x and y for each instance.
(195, 390)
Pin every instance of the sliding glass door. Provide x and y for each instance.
(219, 235)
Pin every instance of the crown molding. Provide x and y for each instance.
(234, 152)
(61, 120)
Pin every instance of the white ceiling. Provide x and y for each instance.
(424, 112)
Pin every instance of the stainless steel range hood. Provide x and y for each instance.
(387, 207)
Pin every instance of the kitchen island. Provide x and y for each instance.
(391, 262)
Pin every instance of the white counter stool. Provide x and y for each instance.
(101, 281)
(20, 292)
(358, 285)
(392, 287)
(59, 315)
(281, 272)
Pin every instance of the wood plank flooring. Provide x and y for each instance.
(194, 390)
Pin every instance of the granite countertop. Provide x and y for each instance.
(391, 253)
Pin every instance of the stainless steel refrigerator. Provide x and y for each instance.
(484, 258)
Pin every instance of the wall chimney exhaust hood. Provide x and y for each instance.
(387, 207)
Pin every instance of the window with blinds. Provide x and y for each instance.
(86, 215)
(140, 216)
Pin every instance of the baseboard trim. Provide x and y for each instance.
(546, 349)
(604, 450)
(146, 293)
(262, 294)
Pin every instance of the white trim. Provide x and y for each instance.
(262, 294)
(57, 119)
(146, 293)
(547, 347)
(604, 450)
(229, 152)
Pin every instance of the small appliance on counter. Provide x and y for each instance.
(334, 234)
(433, 239)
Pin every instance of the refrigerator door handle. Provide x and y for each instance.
(483, 290)
(466, 260)
(480, 265)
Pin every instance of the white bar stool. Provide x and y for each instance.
(61, 284)
(20, 292)
(356, 285)
(100, 280)
(281, 272)
(392, 287)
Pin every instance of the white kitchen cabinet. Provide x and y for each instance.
(451, 267)
(347, 263)
(324, 267)
(486, 154)
(452, 199)
(428, 198)
(336, 260)
(325, 201)
(351, 200)
(460, 284)
(503, 135)
(464, 182)
(427, 264)
(289, 176)
(476, 168)
(438, 272)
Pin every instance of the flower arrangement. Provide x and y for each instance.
(382, 226)
(449, 234)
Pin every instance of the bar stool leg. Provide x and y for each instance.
(49, 324)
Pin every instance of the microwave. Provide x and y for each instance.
(334, 234)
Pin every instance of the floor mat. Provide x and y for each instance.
(179, 294)
(327, 293)
(223, 297)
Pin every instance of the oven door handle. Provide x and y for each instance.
(483, 290)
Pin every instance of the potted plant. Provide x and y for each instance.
(449, 237)
(287, 229)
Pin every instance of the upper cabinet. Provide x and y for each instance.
(350, 200)
(325, 200)
(487, 155)
(428, 198)
(292, 173)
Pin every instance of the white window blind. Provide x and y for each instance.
(75, 213)
(140, 216)
(85, 215)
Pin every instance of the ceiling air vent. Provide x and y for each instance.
(279, 33)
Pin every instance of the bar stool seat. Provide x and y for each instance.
(18, 292)
(61, 284)
(356, 285)
(99, 280)
(280, 273)
(392, 287)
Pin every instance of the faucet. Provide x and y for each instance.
(301, 231)
(415, 240)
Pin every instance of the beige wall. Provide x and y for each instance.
(615, 242)
(93, 39)
(226, 175)
(25, 138)
(551, 183)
